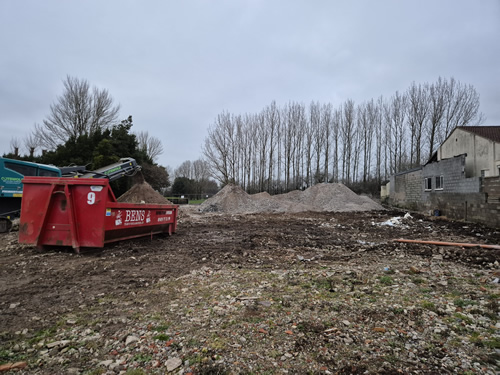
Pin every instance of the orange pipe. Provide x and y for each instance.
(496, 247)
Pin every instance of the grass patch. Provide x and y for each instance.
(217, 344)
(493, 343)
(142, 358)
(391, 359)
(135, 371)
(463, 302)
(386, 280)
(43, 335)
(97, 371)
(428, 305)
(463, 317)
(323, 284)
(192, 343)
(477, 339)
(161, 328)
(194, 359)
(8, 356)
(161, 337)
(228, 324)
(196, 201)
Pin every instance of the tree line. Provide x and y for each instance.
(192, 179)
(296, 146)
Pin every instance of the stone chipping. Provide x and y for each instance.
(318, 198)
(143, 193)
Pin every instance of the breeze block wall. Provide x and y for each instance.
(470, 199)
(406, 189)
(454, 178)
(491, 187)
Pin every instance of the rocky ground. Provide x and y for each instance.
(301, 293)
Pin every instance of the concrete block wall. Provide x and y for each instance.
(491, 187)
(470, 199)
(414, 186)
(406, 187)
(468, 185)
(484, 213)
(471, 207)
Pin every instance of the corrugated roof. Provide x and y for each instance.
(488, 132)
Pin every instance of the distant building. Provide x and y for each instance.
(460, 181)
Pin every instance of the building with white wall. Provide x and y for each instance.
(480, 143)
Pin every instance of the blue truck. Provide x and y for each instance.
(11, 187)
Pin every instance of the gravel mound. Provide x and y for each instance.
(143, 193)
(320, 197)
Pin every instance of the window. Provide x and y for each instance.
(47, 173)
(485, 172)
(427, 183)
(439, 183)
(25, 170)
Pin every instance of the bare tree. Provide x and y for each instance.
(15, 145)
(379, 136)
(368, 121)
(78, 111)
(217, 148)
(394, 117)
(292, 137)
(31, 143)
(336, 125)
(201, 170)
(184, 170)
(272, 118)
(300, 123)
(462, 107)
(347, 131)
(326, 129)
(150, 145)
(318, 140)
(417, 111)
(288, 144)
(437, 102)
(358, 146)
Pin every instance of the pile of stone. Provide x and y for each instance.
(321, 197)
(143, 193)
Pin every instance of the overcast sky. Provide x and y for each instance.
(175, 65)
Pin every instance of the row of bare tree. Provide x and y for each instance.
(292, 147)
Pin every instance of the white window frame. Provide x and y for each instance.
(427, 179)
(440, 185)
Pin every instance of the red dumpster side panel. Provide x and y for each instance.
(126, 220)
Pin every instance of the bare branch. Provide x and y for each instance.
(150, 145)
(78, 111)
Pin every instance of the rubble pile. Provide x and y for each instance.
(331, 197)
(321, 197)
(143, 193)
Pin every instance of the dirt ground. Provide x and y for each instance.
(308, 292)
